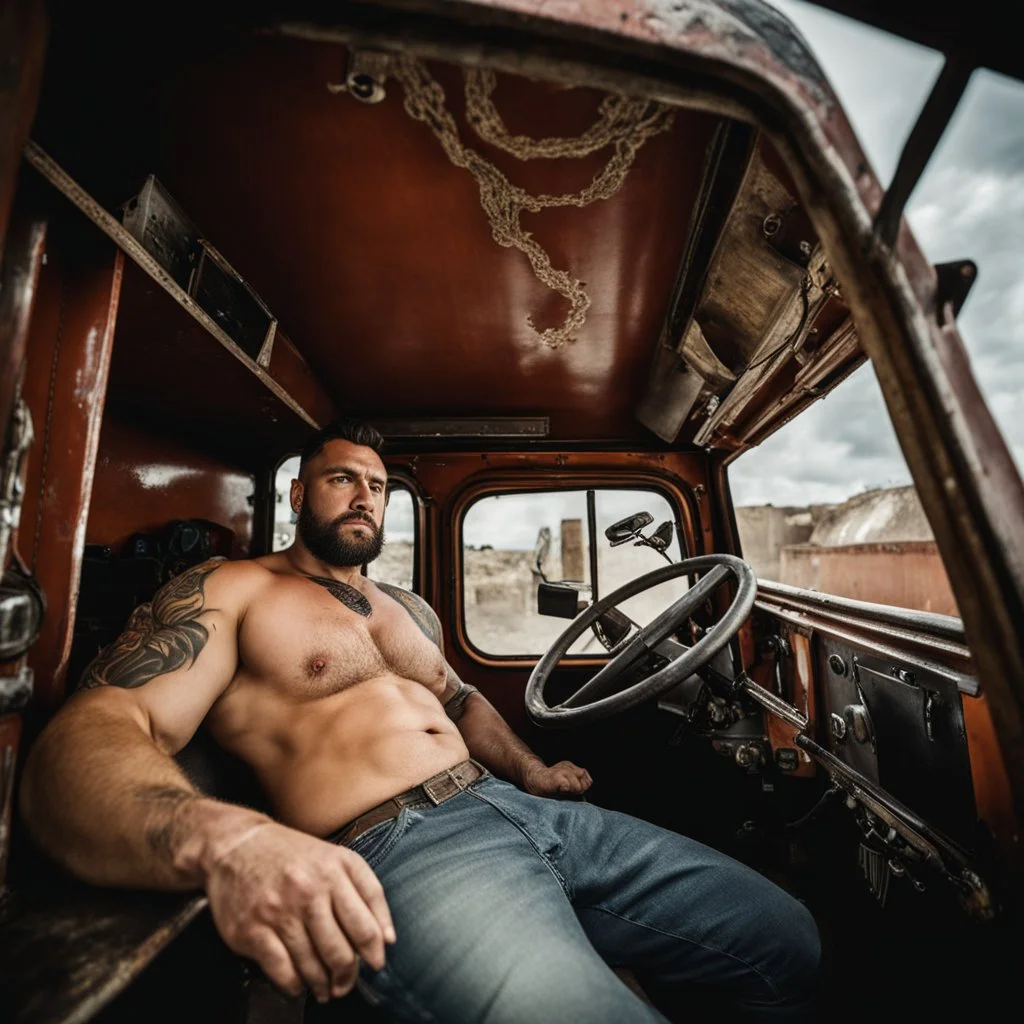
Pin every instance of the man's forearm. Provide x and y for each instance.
(491, 742)
(102, 800)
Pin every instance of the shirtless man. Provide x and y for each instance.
(464, 899)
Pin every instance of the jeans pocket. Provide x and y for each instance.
(376, 843)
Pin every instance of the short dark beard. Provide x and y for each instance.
(324, 540)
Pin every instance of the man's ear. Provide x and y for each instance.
(295, 496)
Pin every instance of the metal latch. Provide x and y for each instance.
(12, 486)
(15, 690)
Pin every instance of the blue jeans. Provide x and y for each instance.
(509, 909)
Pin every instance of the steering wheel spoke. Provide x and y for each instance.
(669, 621)
(604, 682)
(605, 694)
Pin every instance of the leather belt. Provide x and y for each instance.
(435, 790)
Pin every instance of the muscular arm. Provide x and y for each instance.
(101, 792)
(103, 795)
(486, 734)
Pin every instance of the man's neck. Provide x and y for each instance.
(307, 564)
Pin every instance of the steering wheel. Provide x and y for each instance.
(601, 696)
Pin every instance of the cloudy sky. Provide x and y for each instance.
(968, 204)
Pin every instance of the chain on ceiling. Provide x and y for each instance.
(623, 123)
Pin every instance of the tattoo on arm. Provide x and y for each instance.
(160, 637)
(456, 692)
(346, 594)
(420, 612)
(162, 828)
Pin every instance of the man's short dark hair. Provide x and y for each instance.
(353, 431)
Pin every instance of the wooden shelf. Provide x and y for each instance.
(175, 368)
(169, 370)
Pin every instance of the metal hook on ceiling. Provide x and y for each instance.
(366, 71)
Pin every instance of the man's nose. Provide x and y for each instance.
(363, 498)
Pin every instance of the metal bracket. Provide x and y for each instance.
(16, 690)
(12, 484)
(22, 608)
(365, 75)
(921, 143)
(955, 281)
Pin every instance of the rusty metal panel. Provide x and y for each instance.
(65, 387)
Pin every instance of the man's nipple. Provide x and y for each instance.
(317, 665)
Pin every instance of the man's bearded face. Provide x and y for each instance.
(332, 543)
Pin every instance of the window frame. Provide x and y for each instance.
(681, 499)
(405, 481)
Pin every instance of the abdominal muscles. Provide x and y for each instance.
(323, 761)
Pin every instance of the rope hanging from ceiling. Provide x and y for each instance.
(624, 123)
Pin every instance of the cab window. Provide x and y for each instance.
(827, 504)
(512, 542)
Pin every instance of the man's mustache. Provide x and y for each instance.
(357, 517)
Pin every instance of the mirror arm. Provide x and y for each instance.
(646, 542)
(592, 541)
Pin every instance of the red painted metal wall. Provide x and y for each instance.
(145, 479)
(909, 574)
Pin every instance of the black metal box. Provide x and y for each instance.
(236, 308)
(161, 227)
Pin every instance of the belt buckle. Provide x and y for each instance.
(443, 788)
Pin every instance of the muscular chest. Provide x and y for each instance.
(313, 642)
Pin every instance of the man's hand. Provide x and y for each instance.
(304, 909)
(562, 779)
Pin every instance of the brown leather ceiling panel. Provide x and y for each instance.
(375, 254)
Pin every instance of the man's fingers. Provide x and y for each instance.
(311, 969)
(360, 926)
(369, 888)
(573, 779)
(269, 952)
(332, 947)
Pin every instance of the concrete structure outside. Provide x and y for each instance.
(766, 529)
(890, 514)
(877, 546)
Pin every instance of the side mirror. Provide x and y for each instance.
(662, 536)
(558, 600)
(626, 529)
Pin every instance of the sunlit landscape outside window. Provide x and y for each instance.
(501, 538)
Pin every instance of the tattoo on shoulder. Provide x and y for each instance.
(160, 637)
(421, 612)
(346, 594)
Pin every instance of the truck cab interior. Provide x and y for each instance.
(572, 265)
